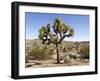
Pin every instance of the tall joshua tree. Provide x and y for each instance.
(60, 31)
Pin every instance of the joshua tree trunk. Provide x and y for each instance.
(57, 50)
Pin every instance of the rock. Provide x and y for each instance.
(77, 59)
(86, 60)
(73, 62)
(67, 59)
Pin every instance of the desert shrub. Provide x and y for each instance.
(43, 53)
(62, 49)
(84, 51)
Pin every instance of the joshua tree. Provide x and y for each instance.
(60, 31)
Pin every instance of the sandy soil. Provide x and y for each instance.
(52, 63)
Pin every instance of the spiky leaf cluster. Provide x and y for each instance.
(60, 31)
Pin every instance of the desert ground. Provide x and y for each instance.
(42, 56)
(52, 63)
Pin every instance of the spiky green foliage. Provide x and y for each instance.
(60, 29)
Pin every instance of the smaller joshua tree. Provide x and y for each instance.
(60, 31)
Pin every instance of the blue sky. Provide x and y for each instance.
(80, 24)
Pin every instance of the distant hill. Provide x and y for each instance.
(66, 44)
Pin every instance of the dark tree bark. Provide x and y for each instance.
(57, 50)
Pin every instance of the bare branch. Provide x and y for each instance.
(62, 38)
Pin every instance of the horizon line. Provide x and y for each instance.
(64, 40)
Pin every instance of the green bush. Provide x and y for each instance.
(84, 51)
(43, 53)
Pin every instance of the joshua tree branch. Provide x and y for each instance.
(60, 35)
(52, 41)
(62, 38)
